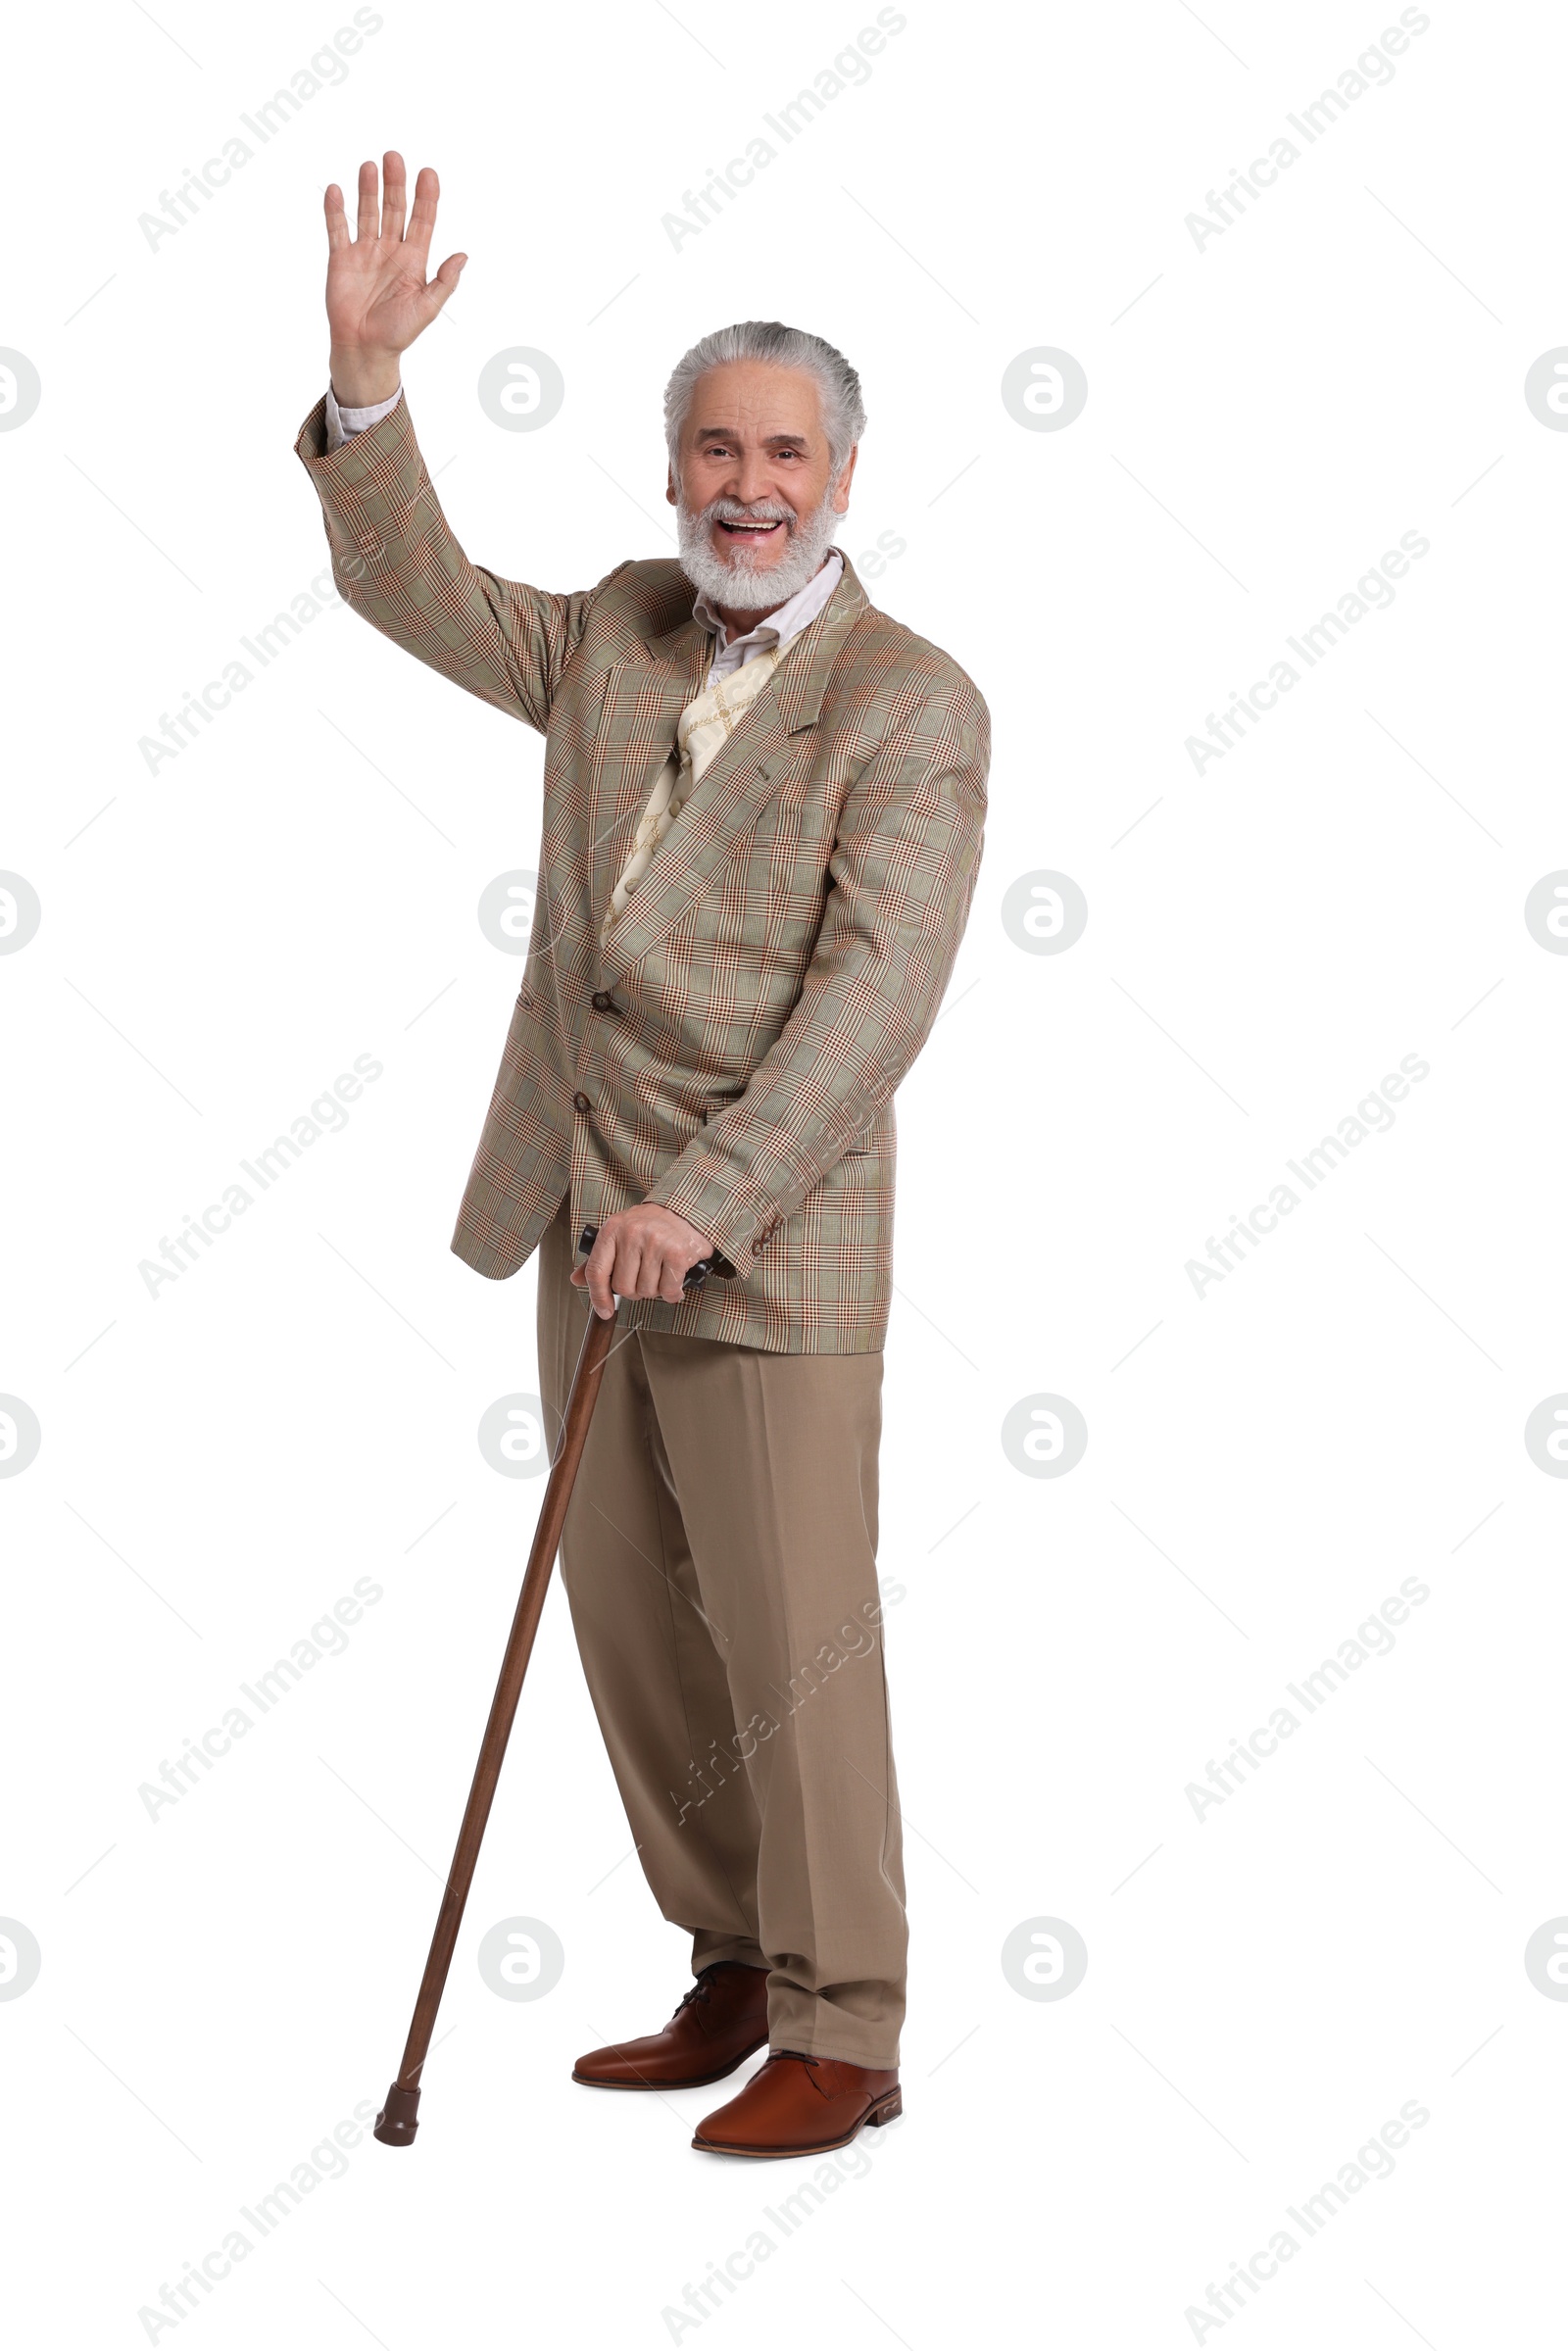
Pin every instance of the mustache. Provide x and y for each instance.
(731, 509)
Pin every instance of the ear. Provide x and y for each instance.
(841, 490)
(669, 487)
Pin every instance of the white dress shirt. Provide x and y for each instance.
(732, 652)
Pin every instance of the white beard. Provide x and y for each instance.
(735, 582)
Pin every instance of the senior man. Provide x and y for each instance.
(763, 819)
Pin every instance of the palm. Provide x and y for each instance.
(377, 295)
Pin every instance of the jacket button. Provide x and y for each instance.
(580, 1101)
(758, 1244)
(603, 1001)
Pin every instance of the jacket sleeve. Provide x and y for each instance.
(396, 562)
(901, 880)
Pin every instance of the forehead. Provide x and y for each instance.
(754, 399)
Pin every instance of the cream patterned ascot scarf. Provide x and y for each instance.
(705, 724)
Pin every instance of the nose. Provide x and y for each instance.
(752, 483)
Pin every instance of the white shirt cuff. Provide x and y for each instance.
(342, 423)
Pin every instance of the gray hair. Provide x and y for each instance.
(766, 339)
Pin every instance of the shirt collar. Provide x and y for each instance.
(790, 619)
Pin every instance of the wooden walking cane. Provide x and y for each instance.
(398, 2121)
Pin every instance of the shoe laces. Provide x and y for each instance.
(701, 1989)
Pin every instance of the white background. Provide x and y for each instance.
(1267, 1984)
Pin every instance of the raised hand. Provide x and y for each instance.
(378, 296)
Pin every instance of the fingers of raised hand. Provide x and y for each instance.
(439, 289)
(383, 217)
(368, 222)
(395, 195)
(421, 221)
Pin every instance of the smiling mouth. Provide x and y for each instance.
(749, 531)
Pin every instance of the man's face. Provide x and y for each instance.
(752, 500)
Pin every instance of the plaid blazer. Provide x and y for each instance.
(733, 1051)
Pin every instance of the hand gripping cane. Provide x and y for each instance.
(398, 2121)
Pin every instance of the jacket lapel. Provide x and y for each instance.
(738, 784)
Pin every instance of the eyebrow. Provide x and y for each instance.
(771, 440)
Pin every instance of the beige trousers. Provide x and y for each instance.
(719, 1557)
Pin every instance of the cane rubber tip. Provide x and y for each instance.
(399, 2117)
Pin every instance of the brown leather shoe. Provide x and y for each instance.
(721, 2020)
(801, 2106)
